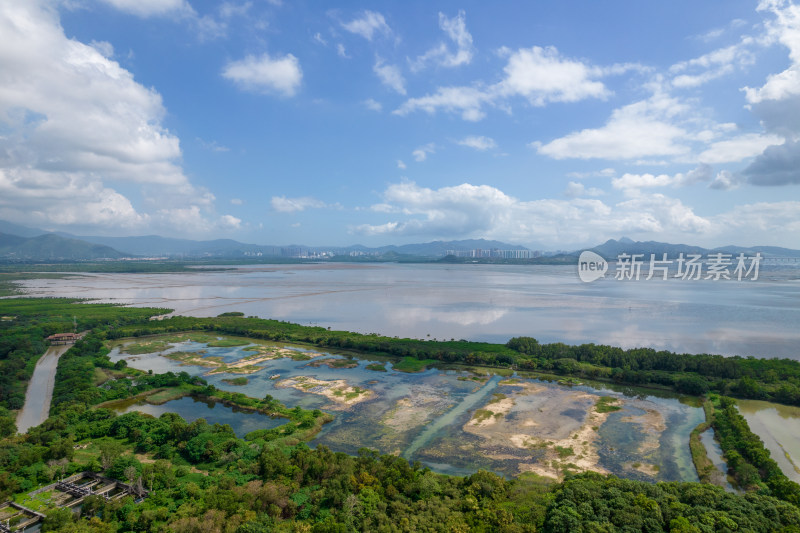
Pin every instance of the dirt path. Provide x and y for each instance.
(40, 389)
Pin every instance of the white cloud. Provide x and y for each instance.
(372, 105)
(400, 164)
(725, 181)
(368, 24)
(236, 201)
(390, 76)
(206, 26)
(465, 100)
(151, 8)
(638, 130)
(538, 74)
(603, 173)
(230, 221)
(576, 189)
(711, 66)
(738, 148)
(265, 74)
(785, 28)
(480, 143)
(341, 51)
(421, 153)
(467, 210)
(76, 128)
(456, 30)
(104, 47)
(631, 183)
(290, 205)
(318, 38)
(542, 75)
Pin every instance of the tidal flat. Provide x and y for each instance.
(454, 419)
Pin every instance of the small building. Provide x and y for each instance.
(63, 338)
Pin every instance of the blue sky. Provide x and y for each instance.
(549, 124)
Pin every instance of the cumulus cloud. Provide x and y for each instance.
(456, 30)
(785, 28)
(738, 148)
(264, 74)
(367, 25)
(642, 129)
(778, 165)
(631, 183)
(725, 181)
(400, 164)
(467, 210)
(480, 143)
(77, 126)
(540, 75)
(468, 101)
(390, 76)
(283, 204)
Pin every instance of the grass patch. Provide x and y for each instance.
(335, 363)
(606, 405)
(355, 393)
(497, 397)
(236, 381)
(299, 356)
(166, 395)
(227, 343)
(412, 364)
(377, 367)
(139, 348)
(481, 415)
(564, 451)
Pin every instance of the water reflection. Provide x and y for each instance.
(477, 302)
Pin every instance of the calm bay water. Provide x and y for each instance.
(478, 302)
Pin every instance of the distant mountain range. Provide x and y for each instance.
(20, 243)
(51, 247)
(612, 248)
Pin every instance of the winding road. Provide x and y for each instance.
(40, 389)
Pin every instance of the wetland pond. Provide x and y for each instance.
(190, 409)
(779, 427)
(455, 420)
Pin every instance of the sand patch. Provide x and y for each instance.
(417, 409)
(547, 430)
(342, 394)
